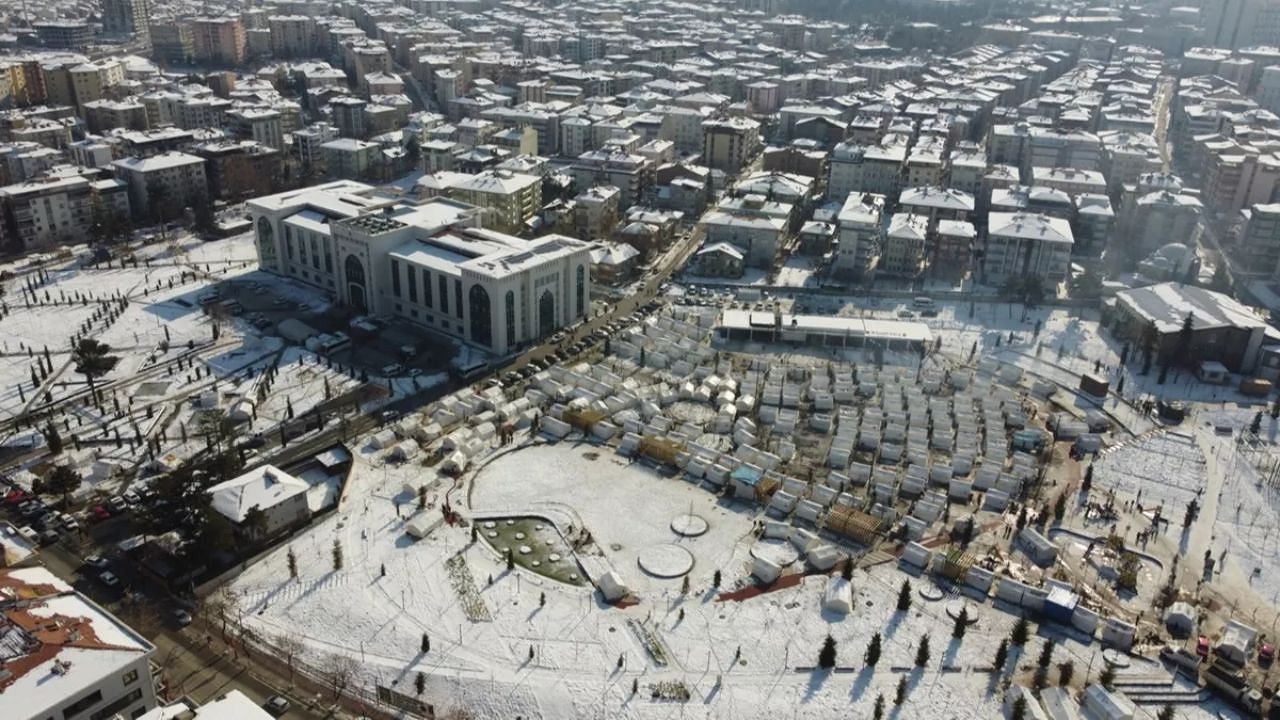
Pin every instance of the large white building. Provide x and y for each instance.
(179, 176)
(63, 656)
(427, 263)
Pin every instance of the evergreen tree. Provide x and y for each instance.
(292, 560)
(922, 651)
(1107, 677)
(337, 554)
(961, 624)
(1002, 654)
(1046, 655)
(827, 655)
(715, 579)
(904, 596)
(426, 644)
(1060, 508)
(1255, 427)
(900, 695)
(511, 560)
(1021, 631)
(53, 440)
(542, 600)
(1087, 484)
(877, 712)
(1166, 713)
(1065, 671)
(420, 683)
(1019, 710)
(872, 655)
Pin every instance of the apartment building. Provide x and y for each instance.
(56, 209)
(126, 17)
(860, 235)
(508, 201)
(729, 144)
(632, 174)
(1026, 245)
(181, 177)
(218, 41)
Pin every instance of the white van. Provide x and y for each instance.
(924, 302)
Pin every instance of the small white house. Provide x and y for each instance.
(281, 497)
(838, 596)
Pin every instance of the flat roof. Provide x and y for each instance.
(1167, 304)
(829, 325)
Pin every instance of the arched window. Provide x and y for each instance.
(266, 242)
(356, 293)
(582, 291)
(481, 316)
(546, 313)
(510, 308)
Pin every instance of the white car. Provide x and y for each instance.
(109, 579)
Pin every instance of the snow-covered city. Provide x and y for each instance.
(749, 359)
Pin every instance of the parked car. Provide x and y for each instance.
(109, 579)
(100, 512)
(1266, 654)
(277, 705)
(181, 617)
(49, 537)
(1202, 647)
(16, 496)
(29, 534)
(96, 561)
(117, 504)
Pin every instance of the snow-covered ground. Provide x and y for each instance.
(485, 666)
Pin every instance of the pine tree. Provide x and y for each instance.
(900, 696)
(1255, 427)
(511, 560)
(1107, 677)
(1002, 654)
(422, 497)
(1166, 713)
(292, 560)
(53, 440)
(530, 652)
(961, 624)
(827, 655)
(877, 712)
(1060, 508)
(635, 685)
(1019, 710)
(1021, 631)
(922, 651)
(684, 585)
(872, 655)
(904, 596)
(1046, 655)
(1065, 671)
(542, 600)
(420, 683)
(1087, 484)
(337, 554)
(426, 644)
(382, 570)
(715, 579)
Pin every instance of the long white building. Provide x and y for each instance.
(428, 263)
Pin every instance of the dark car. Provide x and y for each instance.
(277, 705)
(49, 537)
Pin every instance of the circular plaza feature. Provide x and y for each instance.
(665, 561)
(687, 525)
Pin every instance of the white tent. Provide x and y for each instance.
(838, 597)
(612, 587)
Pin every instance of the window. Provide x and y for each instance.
(457, 297)
(395, 278)
(481, 325)
(288, 242)
(413, 285)
(510, 308)
(581, 290)
(82, 704)
(426, 288)
(328, 256)
(110, 710)
(315, 254)
(444, 295)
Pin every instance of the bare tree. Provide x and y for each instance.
(288, 646)
(341, 670)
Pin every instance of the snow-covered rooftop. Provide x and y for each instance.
(264, 487)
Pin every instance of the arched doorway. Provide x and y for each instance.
(546, 313)
(356, 293)
(481, 316)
